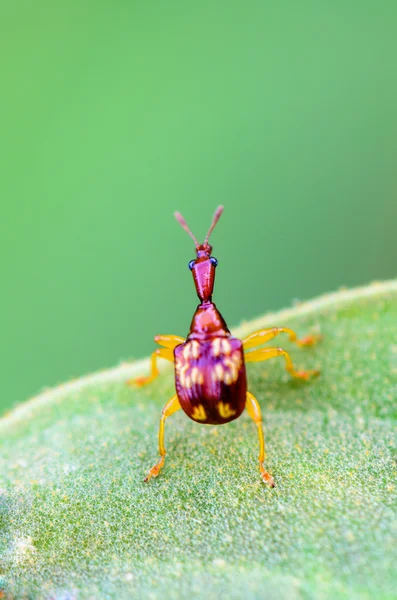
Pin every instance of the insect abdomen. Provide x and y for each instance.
(210, 379)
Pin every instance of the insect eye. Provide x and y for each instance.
(213, 261)
(191, 264)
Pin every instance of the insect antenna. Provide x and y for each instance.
(183, 223)
(215, 220)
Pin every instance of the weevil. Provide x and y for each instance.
(210, 374)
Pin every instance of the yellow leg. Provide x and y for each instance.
(169, 409)
(170, 342)
(264, 335)
(266, 353)
(254, 412)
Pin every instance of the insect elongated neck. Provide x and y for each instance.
(204, 273)
(208, 322)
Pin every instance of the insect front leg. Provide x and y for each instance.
(169, 342)
(267, 353)
(169, 409)
(254, 412)
(264, 335)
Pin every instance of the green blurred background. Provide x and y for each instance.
(115, 114)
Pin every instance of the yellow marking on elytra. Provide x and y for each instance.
(225, 411)
(182, 373)
(219, 372)
(186, 351)
(187, 383)
(195, 349)
(197, 376)
(199, 413)
(233, 370)
(228, 379)
(194, 375)
(216, 346)
(236, 358)
(227, 371)
(226, 346)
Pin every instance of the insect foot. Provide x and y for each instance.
(306, 375)
(138, 381)
(309, 340)
(267, 478)
(154, 471)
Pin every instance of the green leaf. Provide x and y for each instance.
(78, 521)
